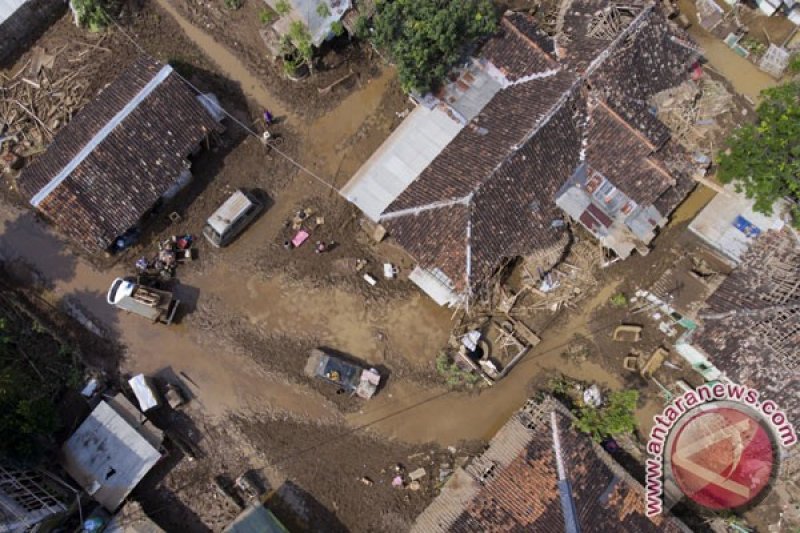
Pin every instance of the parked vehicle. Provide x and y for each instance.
(351, 377)
(231, 218)
(154, 304)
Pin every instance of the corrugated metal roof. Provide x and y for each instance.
(229, 211)
(107, 456)
(399, 160)
(8, 7)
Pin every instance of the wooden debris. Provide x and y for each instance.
(43, 95)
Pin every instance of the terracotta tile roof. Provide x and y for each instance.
(120, 179)
(623, 155)
(755, 335)
(520, 49)
(506, 165)
(513, 486)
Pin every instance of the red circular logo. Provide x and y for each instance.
(722, 457)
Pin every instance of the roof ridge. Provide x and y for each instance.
(506, 21)
(463, 200)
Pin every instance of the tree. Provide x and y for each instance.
(425, 38)
(763, 159)
(613, 418)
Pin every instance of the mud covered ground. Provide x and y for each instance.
(239, 31)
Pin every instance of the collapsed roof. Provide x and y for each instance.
(753, 318)
(518, 485)
(489, 193)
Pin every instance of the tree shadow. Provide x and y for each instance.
(33, 254)
(298, 510)
(162, 505)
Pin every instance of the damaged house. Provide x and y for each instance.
(540, 474)
(123, 154)
(751, 324)
(534, 130)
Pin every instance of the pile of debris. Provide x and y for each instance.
(42, 96)
(692, 110)
(171, 252)
(563, 285)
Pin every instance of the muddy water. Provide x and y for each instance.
(412, 328)
(745, 77)
(417, 414)
(228, 63)
(693, 204)
(221, 382)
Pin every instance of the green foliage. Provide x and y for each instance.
(618, 300)
(453, 375)
(616, 417)
(337, 28)
(91, 14)
(34, 369)
(362, 27)
(266, 16)
(427, 37)
(754, 45)
(794, 64)
(233, 5)
(763, 159)
(298, 40)
(323, 10)
(283, 7)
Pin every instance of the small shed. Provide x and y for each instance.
(111, 452)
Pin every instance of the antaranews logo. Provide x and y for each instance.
(718, 445)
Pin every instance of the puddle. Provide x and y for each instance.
(692, 205)
(745, 77)
(227, 62)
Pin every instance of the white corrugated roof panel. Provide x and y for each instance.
(399, 160)
(107, 456)
(8, 7)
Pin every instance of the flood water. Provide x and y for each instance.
(745, 77)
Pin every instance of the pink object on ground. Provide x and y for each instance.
(300, 238)
(397, 481)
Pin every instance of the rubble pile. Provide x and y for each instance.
(41, 96)
(691, 111)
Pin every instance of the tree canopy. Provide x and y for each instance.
(425, 38)
(616, 417)
(763, 159)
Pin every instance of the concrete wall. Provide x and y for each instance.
(25, 25)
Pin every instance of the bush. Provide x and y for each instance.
(283, 7)
(362, 28)
(425, 38)
(266, 16)
(337, 28)
(323, 10)
(616, 417)
(233, 5)
(91, 14)
(453, 375)
(619, 300)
